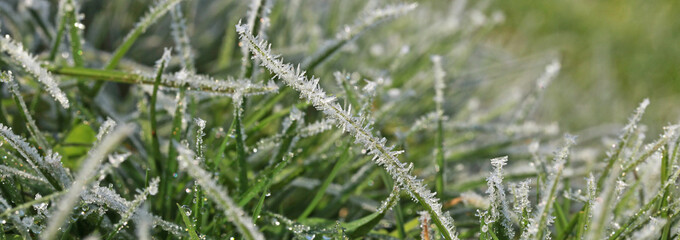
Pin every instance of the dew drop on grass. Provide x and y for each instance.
(187, 210)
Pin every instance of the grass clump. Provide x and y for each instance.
(216, 143)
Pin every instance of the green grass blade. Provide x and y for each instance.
(191, 229)
(360, 227)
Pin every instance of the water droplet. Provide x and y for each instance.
(186, 209)
(188, 190)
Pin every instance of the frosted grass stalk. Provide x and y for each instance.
(550, 72)
(236, 215)
(499, 205)
(155, 12)
(521, 204)
(359, 127)
(258, 21)
(182, 79)
(200, 133)
(143, 226)
(8, 78)
(669, 133)
(614, 153)
(181, 38)
(439, 86)
(18, 224)
(152, 189)
(538, 224)
(107, 197)
(86, 173)
(210, 85)
(31, 65)
(367, 20)
(30, 155)
(644, 211)
(315, 128)
(6, 171)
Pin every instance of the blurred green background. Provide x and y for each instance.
(614, 54)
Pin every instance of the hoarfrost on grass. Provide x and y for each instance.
(31, 65)
(356, 126)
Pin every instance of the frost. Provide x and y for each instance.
(316, 128)
(358, 127)
(439, 84)
(181, 38)
(236, 215)
(164, 60)
(144, 223)
(29, 153)
(199, 136)
(22, 226)
(32, 128)
(498, 204)
(107, 197)
(116, 159)
(652, 230)
(368, 19)
(6, 171)
(209, 86)
(542, 218)
(139, 199)
(551, 71)
(85, 174)
(31, 65)
(155, 12)
(474, 200)
(521, 196)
